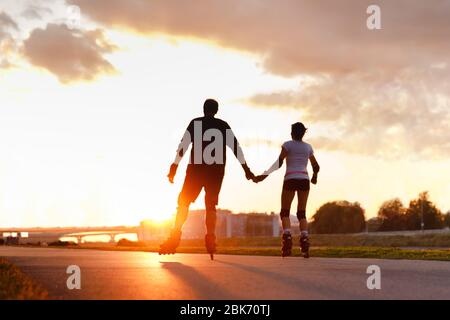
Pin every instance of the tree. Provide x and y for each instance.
(374, 224)
(447, 219)
(392, 214)
(339, 217)
(432, 216)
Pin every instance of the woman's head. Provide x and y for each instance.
(298, 130)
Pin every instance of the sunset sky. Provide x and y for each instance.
(92, 110)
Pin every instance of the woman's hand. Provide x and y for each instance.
(314, 179)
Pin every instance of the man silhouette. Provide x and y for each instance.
(209, 137)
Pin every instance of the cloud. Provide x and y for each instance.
(7, 24)
(295, 36)
(36, 12)
(374, 114)
(72, 55)
(384, 92)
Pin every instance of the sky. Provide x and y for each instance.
(95, 96)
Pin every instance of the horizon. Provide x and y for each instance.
(191, 211)
(95, 97)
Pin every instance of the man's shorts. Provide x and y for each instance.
(199, 177)
(296, 185)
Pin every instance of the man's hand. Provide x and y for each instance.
(248, 173)
(314, 179)
(172, 172)
(260, 178)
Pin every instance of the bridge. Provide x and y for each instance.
(54, 234)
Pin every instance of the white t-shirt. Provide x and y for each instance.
(298, 153)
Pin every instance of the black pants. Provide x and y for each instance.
(198, 177)
(296, 185)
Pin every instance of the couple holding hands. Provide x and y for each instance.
(209, 175)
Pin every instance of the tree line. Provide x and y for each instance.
(349, 217)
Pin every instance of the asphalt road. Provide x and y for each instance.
(140, 275)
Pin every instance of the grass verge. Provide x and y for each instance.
(328, 240)
(326, 252)
(414, 247)
(15, 285)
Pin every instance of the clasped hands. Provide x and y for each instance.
(256, 179)
(259, 178)
(250, 176)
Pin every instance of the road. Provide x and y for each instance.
(140, 275)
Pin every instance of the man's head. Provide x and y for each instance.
(210, 107)
(298, 130)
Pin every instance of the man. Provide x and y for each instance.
(209, 137)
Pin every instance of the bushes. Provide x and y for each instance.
(14, 284)
(395, 217)
(339, 217)
(60, 243)
(347, 217)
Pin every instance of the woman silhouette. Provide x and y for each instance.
(297, 153)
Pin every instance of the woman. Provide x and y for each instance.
(297, 153)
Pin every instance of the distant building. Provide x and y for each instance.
(150, 230)
(232, 225)
(14, 238)
(228, 225)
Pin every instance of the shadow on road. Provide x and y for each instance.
(202, 286)
(308, 285)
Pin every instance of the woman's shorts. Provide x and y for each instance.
(296, 185)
